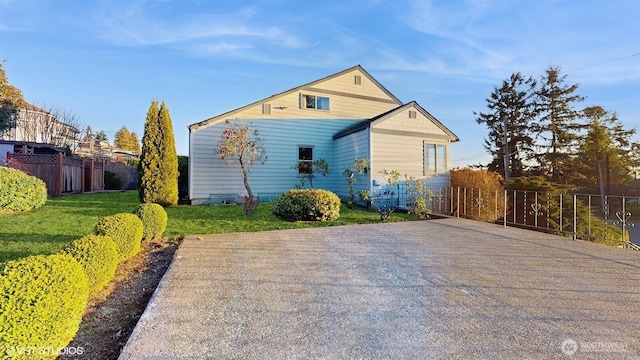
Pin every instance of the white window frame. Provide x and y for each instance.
(434, 158)
(304, 102)
(309, 162)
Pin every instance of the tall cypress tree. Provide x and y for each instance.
(158, 166)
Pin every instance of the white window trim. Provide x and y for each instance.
(303, 102)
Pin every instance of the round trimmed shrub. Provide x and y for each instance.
(126, 232)
(98, 256)
(20, 191)
(307, 204)
(42, 300)
(154, 219)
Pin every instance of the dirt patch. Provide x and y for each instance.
(112, 313)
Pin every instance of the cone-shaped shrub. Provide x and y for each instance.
(42, 300)
(154, 219)
(158, 166)
(20, 191)
(98, 256)
(126, 232)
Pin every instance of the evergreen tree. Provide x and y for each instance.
(101, 136)
(158, 166)
(11, 101)
(134, 143)
(603, 157)
(511, 108)
(557, 126)
(122, 138)
(126, 140)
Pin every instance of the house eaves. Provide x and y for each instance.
(212, 120)
(367, 123)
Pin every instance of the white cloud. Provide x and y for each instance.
(133, 26)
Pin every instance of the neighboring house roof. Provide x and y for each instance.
(367, 123)
(33, 145)
(308, 86)
(31, 107)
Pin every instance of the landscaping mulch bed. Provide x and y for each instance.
(112, 314)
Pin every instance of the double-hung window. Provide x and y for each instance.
(305, 160)
(435, 158)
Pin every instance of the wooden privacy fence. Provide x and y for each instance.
(62, 174)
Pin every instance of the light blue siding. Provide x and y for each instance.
(349, 148)
(212, 177)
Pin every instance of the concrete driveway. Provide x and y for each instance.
(438, 289)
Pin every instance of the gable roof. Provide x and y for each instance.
(413, 104)
(212, 120)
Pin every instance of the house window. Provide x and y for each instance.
(305, 160)
(314, 102)
(266, 109)
(412, 114)
(435, 158)
(357, 79)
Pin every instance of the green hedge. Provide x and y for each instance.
(42, 300)
(98, 256)
(126, 232)
(154, 219)
(20, 191)
(307, 204)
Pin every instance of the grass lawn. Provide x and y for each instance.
(64, 219)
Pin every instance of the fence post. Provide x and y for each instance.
(504, 211)
(458, 205)
(82, 174)
(575, 217)
(58, 190)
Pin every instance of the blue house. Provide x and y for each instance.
(339, 118)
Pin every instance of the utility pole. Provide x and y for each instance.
(506, 150)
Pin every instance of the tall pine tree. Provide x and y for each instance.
(158, 166)
(511, 108)
(558, 126)
(603, 159)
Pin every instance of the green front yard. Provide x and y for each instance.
(64, 219)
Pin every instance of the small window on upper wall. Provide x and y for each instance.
(266, 109)
(357, 79)
(314, 102)
(413, 114)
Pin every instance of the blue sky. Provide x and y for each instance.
(106, 60)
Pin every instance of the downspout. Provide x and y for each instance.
(190, 162)
(370, 155)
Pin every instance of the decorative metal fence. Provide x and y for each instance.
(605, 219)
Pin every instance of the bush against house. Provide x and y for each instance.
(307, 205)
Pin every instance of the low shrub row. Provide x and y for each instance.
(19, 191)
(43, 298)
